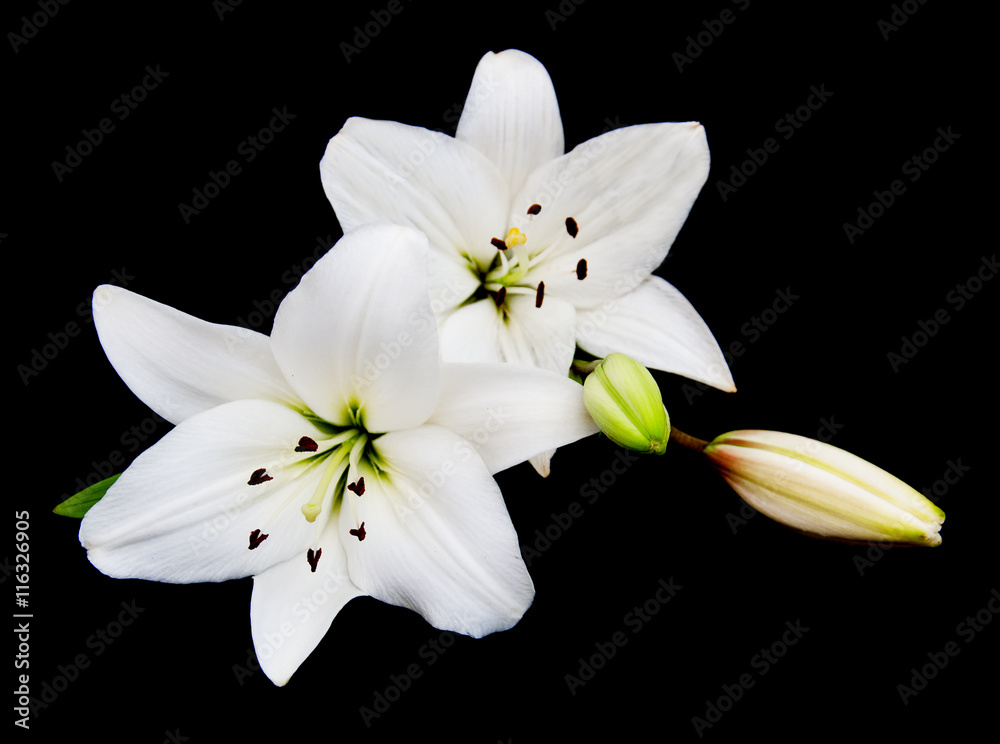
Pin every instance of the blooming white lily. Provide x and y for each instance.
(336, 458)
(820, 489)
(536, 251)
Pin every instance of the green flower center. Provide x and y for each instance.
(508, 273)
(337, 457)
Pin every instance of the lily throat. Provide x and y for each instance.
(331, 466)
(509, 271)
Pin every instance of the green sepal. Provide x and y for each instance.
(79, 504)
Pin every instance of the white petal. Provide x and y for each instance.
(292, 606)
(629, 191)
(358, 331)
(511, 115)
(183, 511)
(659, 328)
(542, 463)
(179, 365)
(450, 282)
(472, 334)
(539, 336)
(510, 412)
(382, 171)
(437, 535)
(525, 334)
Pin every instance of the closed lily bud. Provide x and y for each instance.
(822, 490)
(624, 400)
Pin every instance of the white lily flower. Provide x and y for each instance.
(536, 251)
(336, 458)
(823, 490)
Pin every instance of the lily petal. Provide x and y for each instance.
(542, 463)
(480, 332)
(510, 412)
(180, 365)
(383, 171)
(659, 328)
(521, 333)
(511, 115)
(293, 607)
(358, 333)
(183, 511)
(628, 191)
(472, 333)
(437, 537)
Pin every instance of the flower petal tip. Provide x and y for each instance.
(542, 463)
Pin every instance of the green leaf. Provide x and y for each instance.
(80, 503)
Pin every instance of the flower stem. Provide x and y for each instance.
(686, 440)
(583, 368)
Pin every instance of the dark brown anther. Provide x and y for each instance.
(359, 532)
(313, 558)
(581, 269)
(534, 209)
(359, 487)
(256, 539)
(307, 445)
(259, 476)
(499, 244)
(571, 227)
(500, 296)
(540, 294)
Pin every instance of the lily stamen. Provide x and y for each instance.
(259, 476)
(354, 459)
(313, 558)
(256, 538)
(359, 532)
(357, 450)
(306, 444)
(504, 266)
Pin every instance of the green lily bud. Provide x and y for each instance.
(823, 490)
(624, 400)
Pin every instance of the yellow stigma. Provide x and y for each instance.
(515, 237)
(311, 511)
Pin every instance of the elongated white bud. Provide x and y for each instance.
(823, 490)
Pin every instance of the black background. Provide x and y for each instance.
(182, 668)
